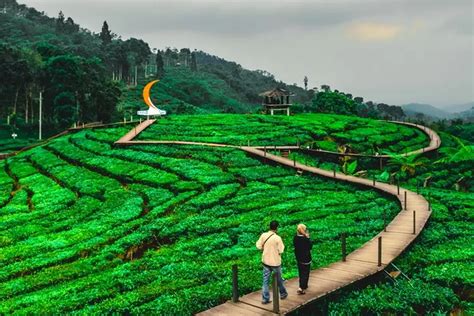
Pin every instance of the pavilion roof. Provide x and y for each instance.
(276, 93)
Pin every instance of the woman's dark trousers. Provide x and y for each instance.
(303, 272)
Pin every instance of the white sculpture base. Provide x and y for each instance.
(152, 112)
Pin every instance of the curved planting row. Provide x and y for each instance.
(402, 224)
(155, 229)
(323, 131)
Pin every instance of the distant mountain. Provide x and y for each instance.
(431, 111)
(457, 108)
(467, 115)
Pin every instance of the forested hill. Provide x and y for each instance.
(83, 75)
(86, 77)
(208, 84)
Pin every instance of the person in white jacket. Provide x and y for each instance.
(272, 247)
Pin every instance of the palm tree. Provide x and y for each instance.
(457, 154)
(348, 166)
(407, 164)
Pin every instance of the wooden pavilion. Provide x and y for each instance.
(277, 99)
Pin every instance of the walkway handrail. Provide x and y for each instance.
(367, 260)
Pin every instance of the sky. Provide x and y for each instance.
(391, 51)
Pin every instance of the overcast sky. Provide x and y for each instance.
(392, 51)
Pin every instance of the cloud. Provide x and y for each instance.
(370, 31)
(461, 24)
(293, 38)
(239, 18)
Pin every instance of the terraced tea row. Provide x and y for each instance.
(155, 229)
(322, 131)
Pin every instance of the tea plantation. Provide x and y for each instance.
(323, 131)
(89, 228)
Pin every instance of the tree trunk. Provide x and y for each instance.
(32, 117)
(26, 105)
(16, 99)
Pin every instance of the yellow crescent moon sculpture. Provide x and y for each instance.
(146, 94)
(152, 109)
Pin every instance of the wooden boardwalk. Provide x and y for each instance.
(135, 131)
(435, 140)
(361, 263)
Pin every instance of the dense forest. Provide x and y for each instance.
(84, 76)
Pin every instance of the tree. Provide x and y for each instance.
(325, 88)
(117, 59)
(407, 164)
(462, 153)
(390, 111)
(106, 99)
(105, 34)
(60, 22)
(193, 61)
(70, 27)
(235, 71)
(371, 111)
(305, 80)
(137, 50)
(359, 100)
(185, 53)
(160, 66)
(64, 109)
(333, 102)
(16, 70)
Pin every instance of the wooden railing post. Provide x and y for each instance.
(264, 151)
(379, 259)
(384, 220)
(276, 295)
(343, 246)
(294, 162)
(334, 171)
(414, 222)
(398, 186)
(235, 284)
(373, 180)
(405, 202)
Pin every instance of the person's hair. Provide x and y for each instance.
(301, 229)
(273, 225)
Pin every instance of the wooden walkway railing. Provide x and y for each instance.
(369, 259)
(363, 262)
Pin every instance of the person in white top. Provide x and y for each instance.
(272, 247)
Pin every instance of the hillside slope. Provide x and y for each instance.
(96, 68)
(426, 109)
